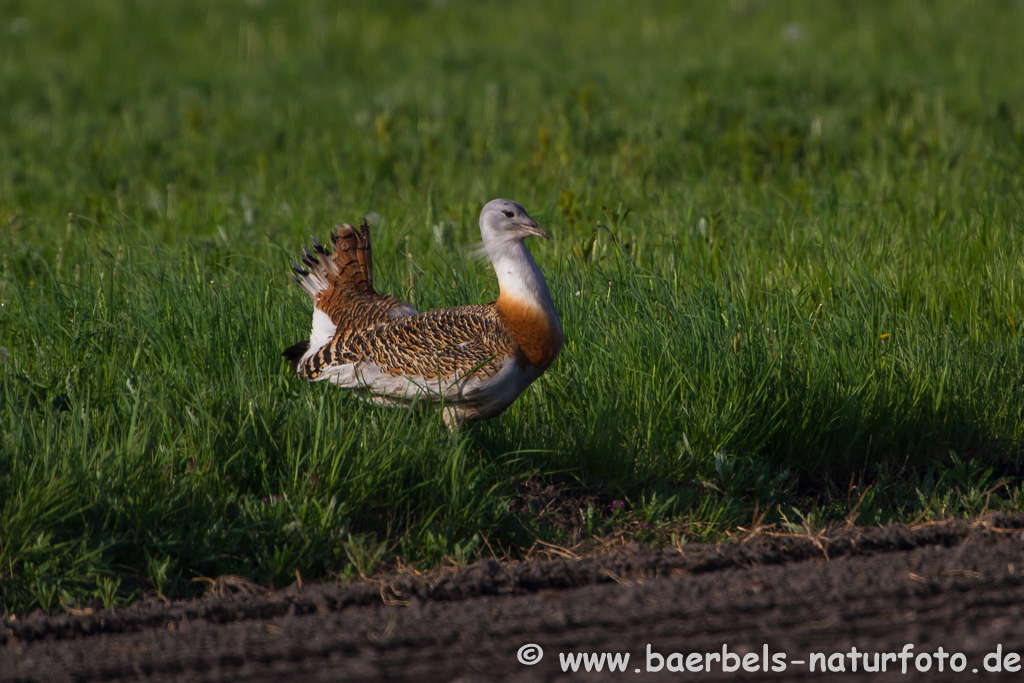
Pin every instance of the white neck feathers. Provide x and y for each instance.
(519, 277)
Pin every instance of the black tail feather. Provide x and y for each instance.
(294, 354)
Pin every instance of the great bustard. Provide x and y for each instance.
(470, 361)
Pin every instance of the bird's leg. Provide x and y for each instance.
(452, 418)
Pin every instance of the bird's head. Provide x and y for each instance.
(503, 221)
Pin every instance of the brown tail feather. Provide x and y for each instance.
(364, 253)
(352, 257)
(341, 286)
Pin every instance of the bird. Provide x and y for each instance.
(469, 362)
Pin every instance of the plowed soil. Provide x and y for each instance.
(957, 585)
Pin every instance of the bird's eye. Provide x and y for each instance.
(508, 214)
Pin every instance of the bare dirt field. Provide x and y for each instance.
(958, 586)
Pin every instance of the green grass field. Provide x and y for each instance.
(787, 249)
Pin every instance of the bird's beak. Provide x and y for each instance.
(533, 229)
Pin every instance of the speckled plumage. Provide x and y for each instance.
(474, 360)
(431, 345)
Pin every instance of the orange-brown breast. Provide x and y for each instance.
(538, 337)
